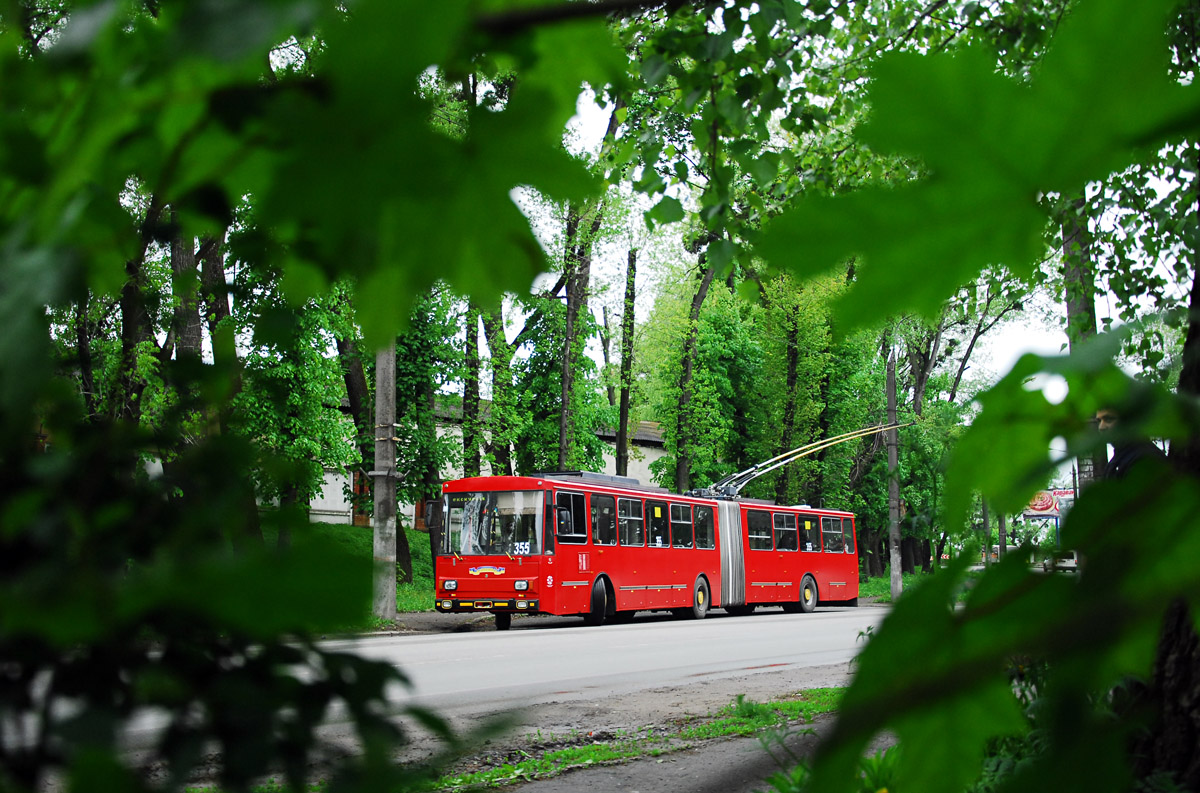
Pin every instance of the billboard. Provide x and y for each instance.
(1049, 503)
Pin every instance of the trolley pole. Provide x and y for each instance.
(893, 442)
(384, 479)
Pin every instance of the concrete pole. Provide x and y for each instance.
(893, 441)
(384, 476)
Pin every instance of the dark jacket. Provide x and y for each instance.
(1127, 455)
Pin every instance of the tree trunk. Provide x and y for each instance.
(627, 324)
(1003, 521)
(470, 404)
(783, 479)
(683, 457)
(501, 360)
(922, 361)
(83, 351)
(1079, 288)
(214, 299)
(908, 555)
(1171, 744)
(185, 284)
(578, 276)
(610, 387)
(134, 330)
(359, 397)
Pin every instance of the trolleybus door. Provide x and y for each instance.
(575, 574)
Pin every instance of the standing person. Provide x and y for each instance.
(1127, 451)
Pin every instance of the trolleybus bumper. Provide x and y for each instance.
(486, 604)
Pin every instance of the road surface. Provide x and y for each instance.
(558, 679)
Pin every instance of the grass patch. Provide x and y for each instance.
(742, 717)
(881, 588)
(414, 595)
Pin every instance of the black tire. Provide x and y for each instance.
(744, 610)
(599, 604)
(503, 620)
(808, 594)
(700, 599)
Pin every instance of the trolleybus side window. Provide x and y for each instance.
(758, 529)
(705, 537)
(785, 531)
(578, 528)
(660, 532)
(681, 525)
(831, 529)
(604, 520)
(629, 512)
(810, 528)
(848, 533)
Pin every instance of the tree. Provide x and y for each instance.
(1009, 612)
(120, 591)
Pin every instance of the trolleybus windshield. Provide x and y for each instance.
(499, 522)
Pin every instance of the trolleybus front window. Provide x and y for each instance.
(493, 523)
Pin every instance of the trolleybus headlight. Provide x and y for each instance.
(450, 585)
(521, 585)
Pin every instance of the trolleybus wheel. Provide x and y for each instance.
(808, 594)
(503, 620)
(599, 604)
(700, 599)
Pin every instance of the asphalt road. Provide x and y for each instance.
(479, 673)
(557, 677)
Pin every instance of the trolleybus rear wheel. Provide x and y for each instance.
(700, 599)
(503, 620)
(599, 604)
(808, 594)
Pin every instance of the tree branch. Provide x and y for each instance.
(511, 23)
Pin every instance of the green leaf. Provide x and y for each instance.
(991, 148)
(667, 210)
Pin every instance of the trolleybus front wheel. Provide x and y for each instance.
(503, 620)
(599, 604)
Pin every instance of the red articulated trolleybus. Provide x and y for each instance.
(604, 547)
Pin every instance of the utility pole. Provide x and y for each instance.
(893, 441)
(384, 476)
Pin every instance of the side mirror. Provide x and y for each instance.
(563, 525)
(433, 514)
